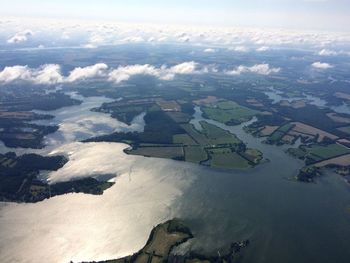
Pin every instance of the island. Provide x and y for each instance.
(165, 237)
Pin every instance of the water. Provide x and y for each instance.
(286, 221)
(277, 97)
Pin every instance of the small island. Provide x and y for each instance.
(165, 237)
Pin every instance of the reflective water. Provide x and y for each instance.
(277, 96)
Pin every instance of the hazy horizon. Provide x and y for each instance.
(317, 15)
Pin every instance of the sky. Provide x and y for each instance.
(328, 15)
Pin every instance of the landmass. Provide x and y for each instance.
(166, 236)
(168, 133)
(16, 115)
(19, 179)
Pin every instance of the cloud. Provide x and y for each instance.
(50, 74)
(20, 37)
(263, 49)
(124, 73)
(261, 69)
(239, 49)
(47, 74)
(327, 52)
(320, 65)
(133, 39)
(88, 72)
(209, 50)
(9, 74)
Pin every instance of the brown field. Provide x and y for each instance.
(18, 136)
(254, 102)
(341, 161)
(342, 95)
(268, 130)
(179, 117)
(295, 104)
(309, 130)
(335, 117)
(288, 138)
(207, 101)
(16, 115)
(344, 142)
(168, 105)
(159, 247)
(297, 134)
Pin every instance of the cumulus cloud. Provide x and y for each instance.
(47, 74)
(51, 73)
(20, 37)
(327, 52)
(320, 65)
(209, 50)
(263, 49)
(9, 74)
(97, 70)
(164, 73)
(261, 69)
(239, 49)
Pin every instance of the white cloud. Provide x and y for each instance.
(263, 49)
(164, 73)
(133, 39)
(47, 74)
(88, 72)
(9, 74)
(261, 69)
(51, 73)
(327, 52)
(239, 49)
(209, 50)
(320, 65)
(20, 37)
(125, 73)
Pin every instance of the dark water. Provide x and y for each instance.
(286, 221)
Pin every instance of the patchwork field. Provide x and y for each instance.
(228, 112)
(343, 160)
(316, 152)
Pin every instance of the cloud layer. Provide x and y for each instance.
(261, 69)
(50, 74)
(320, 65)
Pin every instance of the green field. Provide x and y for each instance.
(227, 159)
(229, 112)
(217, 135)
(195, 135)
(195, 154)
(277, 136)
(170, 152)
(184, 139)
(327, 151)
